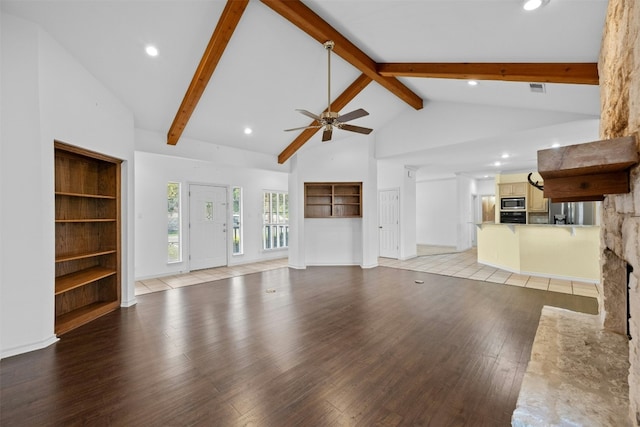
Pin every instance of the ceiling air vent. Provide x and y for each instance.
(537, 87)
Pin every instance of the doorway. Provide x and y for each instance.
(488, 208)
(389, 213)
(207, 226)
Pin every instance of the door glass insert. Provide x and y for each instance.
(174, 249)
(208, 211)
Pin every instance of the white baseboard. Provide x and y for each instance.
(128, 303)
(14, 351)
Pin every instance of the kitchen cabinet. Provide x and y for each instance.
(87, 231)
(333, 199)
(536, 201)
(513, 189)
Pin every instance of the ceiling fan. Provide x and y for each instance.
(330, 119)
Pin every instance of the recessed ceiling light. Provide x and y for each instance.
(497, 164)
(248, 131)
(533, 4)
(555, 145)
(151, 50)
(486, 176)
(505, 156)
(472, 83)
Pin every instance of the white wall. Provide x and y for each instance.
(393, 176)
(1, 187)
(486, 186)
(335, 241)
(26, 292)
(47, 95)
(436, 212)
(466, 189)
(154, 142)
(154, 171)
(439, 124)
(408, 248)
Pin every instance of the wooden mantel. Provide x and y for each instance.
(587, 171)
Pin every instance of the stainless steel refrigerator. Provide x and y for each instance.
(575, 213)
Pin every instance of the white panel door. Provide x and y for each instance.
(389, 205)
(207, 226)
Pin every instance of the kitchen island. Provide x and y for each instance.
(569, 252)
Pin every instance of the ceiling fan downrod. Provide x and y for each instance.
(329, 44)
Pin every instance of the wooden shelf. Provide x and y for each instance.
(333, 200)
(87, 220)
(85, 314)
(73, 257)
(80, 278)
(588, 171)
(87, 235)
(89, 196)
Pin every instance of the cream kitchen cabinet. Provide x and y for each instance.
(513, 189)
(536, 201)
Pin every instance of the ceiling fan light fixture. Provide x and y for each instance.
(530, 5)
(332, 119)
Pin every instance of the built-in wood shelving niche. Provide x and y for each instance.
(332, 199)
(87, 227)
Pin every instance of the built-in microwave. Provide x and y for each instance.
(512, 204)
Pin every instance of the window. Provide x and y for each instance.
(174, 250)
(275, 232)
(237, 220)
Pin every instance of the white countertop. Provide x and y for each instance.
(482, 224)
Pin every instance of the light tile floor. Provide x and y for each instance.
(202, 276)
(465, 265)
(462, 264)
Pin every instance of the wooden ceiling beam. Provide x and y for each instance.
(575, 73)
(308, 21)
(227, 24)
(338, 104)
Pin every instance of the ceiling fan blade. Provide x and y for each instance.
(304, 127)
(309, 114)
(326, 135)
(356, 114)
(359, 129)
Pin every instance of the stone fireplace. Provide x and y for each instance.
(619, 69)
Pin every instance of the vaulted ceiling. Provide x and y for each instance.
(267, 60)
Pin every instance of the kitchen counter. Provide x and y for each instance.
(569, 252)
(480, 225)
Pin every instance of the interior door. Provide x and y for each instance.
(389, 206)
(207, 226)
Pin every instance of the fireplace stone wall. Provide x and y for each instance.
(619, 69)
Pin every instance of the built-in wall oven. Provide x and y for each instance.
(513, 217)
(512, 204)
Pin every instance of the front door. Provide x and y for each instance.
(207, 226)
(389, 205)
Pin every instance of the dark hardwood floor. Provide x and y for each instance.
(332, 346)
